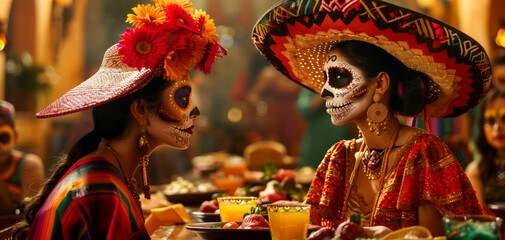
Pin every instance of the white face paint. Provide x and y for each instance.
(344, 90)
(172, 124)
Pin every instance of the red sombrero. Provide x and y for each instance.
(295, 36)
(169, 39)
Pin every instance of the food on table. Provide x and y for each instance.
(254, 220)
(351, 229)
(157, 200)
(231, 225)
(324, 233)
(272, 196)
(228, 182)
(413, 232)
(284, 173)
(183, 186)
(209, 206)
(253, 176)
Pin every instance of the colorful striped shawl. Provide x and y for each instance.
(90, 201)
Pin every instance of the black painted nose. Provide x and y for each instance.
(325, 93)
(194, 113)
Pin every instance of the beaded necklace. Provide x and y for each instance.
(382, 173)
(130, 182)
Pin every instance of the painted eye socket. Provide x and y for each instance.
(339, 77)
(5, 137)
(181, 96)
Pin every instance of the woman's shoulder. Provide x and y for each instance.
(421, 145)
(410, 136)
(92, 173)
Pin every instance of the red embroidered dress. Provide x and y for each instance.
(91, 201)
(426, 172)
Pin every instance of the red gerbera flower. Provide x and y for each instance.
(209, 58)
(176, 15)
(142, 47)
(175, 38)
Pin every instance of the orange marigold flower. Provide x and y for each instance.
(198, 46)
(177, 64)
(187, 6)
(206, 25)
(146, 14)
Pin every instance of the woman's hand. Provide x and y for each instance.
(377, 231)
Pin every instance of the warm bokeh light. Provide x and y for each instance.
(2, 41)
(234, 114)
(500, 37)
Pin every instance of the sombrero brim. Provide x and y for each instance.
(113, 80)
(295, 37)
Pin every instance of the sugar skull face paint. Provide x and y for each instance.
(173, 123)
(343, 90)
(494, 123)
(7, 138)
(179, 101)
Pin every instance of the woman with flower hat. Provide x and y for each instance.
(141, 99)
(373, 62)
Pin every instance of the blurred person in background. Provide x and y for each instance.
(487, 171)
(278, 96)
(320, 133)
(141, 99)
(21, 174)
(498, 64)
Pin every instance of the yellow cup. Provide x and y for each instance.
(232, 209)
(288, 221)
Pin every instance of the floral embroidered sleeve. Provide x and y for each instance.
(326, 194)
(432, 174)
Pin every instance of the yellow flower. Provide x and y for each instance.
(187, 6)
(145, 14)
(177, 64)
(206, 26)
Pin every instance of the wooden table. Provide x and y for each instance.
(178, 231)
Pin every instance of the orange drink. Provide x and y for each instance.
(230, 183)
(232, 209)
(234, 166)
(288, 221)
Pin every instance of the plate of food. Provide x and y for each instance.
(215, 231)
(206, 216)
(189, 193)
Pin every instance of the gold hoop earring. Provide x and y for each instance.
(377, 115)
(143, 147)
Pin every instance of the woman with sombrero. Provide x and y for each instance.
(141, 99)
(374, 62)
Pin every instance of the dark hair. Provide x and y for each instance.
(110, 120)
(373, 60)
(488, 153)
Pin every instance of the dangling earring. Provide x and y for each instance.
(143, 146)
(376, 115)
